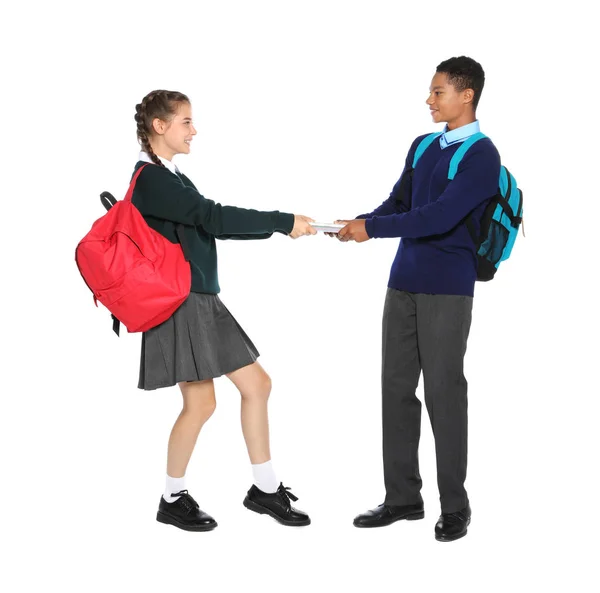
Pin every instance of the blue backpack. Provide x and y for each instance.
(501, 219)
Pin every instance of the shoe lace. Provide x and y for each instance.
(286, 495)
(186, 500)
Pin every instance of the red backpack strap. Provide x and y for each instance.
(179, 229)
(129, 193)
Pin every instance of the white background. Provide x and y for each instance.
(305, 107)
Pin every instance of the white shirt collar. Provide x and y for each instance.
(144, 156)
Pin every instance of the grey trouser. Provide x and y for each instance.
(428, 333)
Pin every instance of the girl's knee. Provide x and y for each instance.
(260, 389)
(201, 410)
(267, 384)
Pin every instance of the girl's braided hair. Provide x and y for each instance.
(156, 104)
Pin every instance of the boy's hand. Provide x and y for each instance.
(337, 222)
(354, 231)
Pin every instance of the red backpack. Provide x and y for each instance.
(133, 270)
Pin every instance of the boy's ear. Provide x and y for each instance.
(468, 95)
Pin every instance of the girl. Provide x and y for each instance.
(202, 340)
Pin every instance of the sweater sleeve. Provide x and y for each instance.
(160, 194)
(393, 205)
(254, 237)
(399, 199)
(475, 182)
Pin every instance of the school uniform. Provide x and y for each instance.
(202, 339)
(427, 317)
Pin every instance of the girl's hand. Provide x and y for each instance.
(302, 226)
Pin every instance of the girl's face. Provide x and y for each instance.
(175, 136)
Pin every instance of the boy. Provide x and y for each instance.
(427, 313)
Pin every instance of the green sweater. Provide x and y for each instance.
(166, 199)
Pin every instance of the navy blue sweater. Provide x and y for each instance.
(436, 254)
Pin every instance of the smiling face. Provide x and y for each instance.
(449, 105)
(175, 135)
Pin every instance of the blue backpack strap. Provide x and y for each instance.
(460, 153)
(423, 145)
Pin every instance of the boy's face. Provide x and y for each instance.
(445, 102)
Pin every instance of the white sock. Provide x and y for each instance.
(264, 477)
(173, 486)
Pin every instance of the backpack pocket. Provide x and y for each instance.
(492, 248)
(139, 274)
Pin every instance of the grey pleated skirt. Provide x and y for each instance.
(201, 340)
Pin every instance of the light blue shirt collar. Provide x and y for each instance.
(459, 134)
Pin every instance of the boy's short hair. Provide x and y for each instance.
(464, 73)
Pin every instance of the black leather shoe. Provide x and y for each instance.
(386, 515)
(277, 505)
(451, 526)
(184, 513)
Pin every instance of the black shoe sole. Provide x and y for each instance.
(167, 520)
(264, 511)
(445, 538)
(411, 517)
(451, 538)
